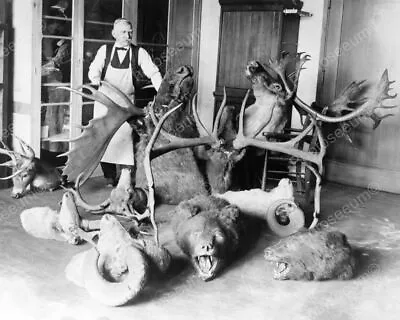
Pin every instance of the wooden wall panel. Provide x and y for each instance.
(367, 46)
(184, 34)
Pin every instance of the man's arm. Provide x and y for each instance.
(149, 68)
(97, 65)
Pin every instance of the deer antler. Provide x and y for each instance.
(26, 148)
(90, 146)
(287, 147)
(174, 144)
(15, 163)
(179, 142)
(301, 59)
(370, 107)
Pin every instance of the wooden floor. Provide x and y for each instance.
(33, 284)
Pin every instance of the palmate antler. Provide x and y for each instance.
(90, 146)
(371, 107)
(349, 105)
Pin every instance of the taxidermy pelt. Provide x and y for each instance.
(256, 201)
(277, 207)
(207, 230)
(42, 222)
(312, 255)
(46, 223)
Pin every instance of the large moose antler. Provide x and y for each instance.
(92, 143)
(349, 105)
(271, 79)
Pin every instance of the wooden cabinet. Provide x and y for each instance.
(251, 30)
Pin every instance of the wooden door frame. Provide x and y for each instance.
(5, 87)
(196, 31)
(330, 54)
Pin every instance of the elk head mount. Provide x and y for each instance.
(29, 172)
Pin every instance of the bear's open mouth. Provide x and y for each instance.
(206, 265)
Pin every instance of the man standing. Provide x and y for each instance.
(118, 64)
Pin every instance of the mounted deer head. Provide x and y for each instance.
(28, 172)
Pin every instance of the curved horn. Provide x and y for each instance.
(218, 117)
(115, 293)
(200, 126)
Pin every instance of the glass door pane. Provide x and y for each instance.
(152, 35)
(99, 17)
(56, 71)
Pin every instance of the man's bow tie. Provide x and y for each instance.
(121, 48)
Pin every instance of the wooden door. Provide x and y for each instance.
(361, 42)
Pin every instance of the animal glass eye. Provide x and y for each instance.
(219, 237)
(277, 87)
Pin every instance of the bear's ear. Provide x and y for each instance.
(229, 214)
(187, 210)
(183, 212)
(336, 239)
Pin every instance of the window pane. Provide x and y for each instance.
(50, 94)
(54, 126)
(99, 18)
(95, 30)
(60, 8)
(152, 21)
(87, 113)
(103, 10)
(56, 27)
(56, 60)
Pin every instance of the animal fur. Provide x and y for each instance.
(312, 255)
(42, 222)
(207, 230)
(256, 201)
(46, 223)
(185, 173)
